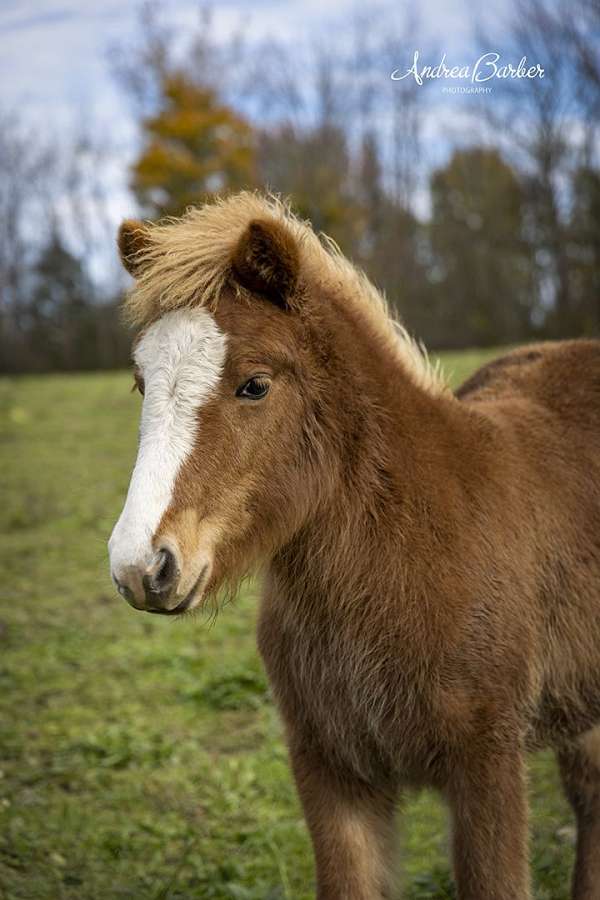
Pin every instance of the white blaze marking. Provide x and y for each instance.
(181, 359)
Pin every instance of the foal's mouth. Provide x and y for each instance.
(187, 602)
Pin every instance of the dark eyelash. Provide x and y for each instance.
(138, 383)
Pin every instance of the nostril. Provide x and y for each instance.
(162, 573)
(166, 569)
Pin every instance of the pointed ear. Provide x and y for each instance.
(266, 261)
(133, 238)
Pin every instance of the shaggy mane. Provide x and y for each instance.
(186, 262)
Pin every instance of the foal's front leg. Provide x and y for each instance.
(580, 770)
(352, 831)
(488, 799)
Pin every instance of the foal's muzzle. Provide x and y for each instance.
(152, 588)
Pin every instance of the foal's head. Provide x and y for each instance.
(243, 394)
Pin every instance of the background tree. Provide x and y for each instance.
(54, 228)
(477, 231)
(60, 319)
(584, 251)
(313, 168)
(23, 164)
(548, 128)
(195, 147)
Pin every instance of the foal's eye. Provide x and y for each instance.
(255, 388)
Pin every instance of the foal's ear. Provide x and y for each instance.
(266, 261)
(133, 239)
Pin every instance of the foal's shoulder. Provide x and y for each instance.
(555, 373)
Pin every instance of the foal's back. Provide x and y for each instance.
(547, 398)
(564, 377)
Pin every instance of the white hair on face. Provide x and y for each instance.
(180, 358)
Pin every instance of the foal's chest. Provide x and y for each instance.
(346, 695)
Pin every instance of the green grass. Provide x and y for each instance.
(142, 757)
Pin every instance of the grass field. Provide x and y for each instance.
(141, 757)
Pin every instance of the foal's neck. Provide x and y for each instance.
(394, 445)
